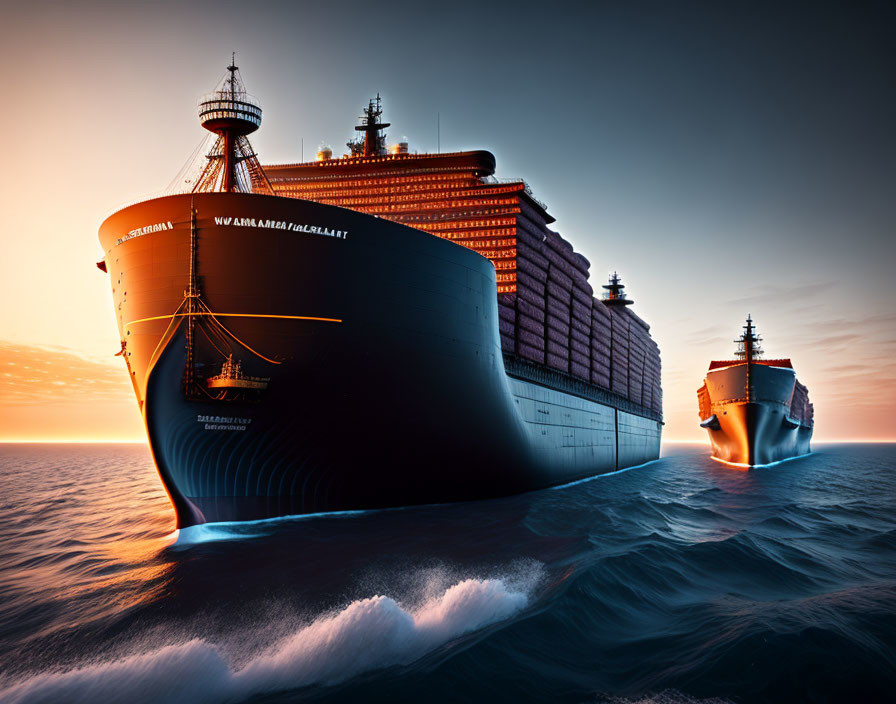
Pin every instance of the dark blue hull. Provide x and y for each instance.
(385, 383)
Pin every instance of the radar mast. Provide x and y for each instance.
(748, 347)
(232, 114)
(614, 294)
(374, 142)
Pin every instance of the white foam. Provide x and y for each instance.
(368, 634)
(757, 466)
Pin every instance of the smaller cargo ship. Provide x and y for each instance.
(756, 411)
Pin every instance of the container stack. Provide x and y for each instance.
(507, 322)
(636, 371)
(800, 408)
(580, 322)
(620, 361)
(653, 392)
(553, 318)
(558, 302)
(547, 312)
(580, 335)
(639, 344)
(531, 283)
(704, 402)
(600, 344)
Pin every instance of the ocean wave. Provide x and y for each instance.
(666, 696)
(681, 583)
(368, 634)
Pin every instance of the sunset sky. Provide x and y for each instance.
(725, 158)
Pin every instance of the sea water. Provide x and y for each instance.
(679, 581)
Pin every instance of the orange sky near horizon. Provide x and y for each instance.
(105, 99)
(50, 394)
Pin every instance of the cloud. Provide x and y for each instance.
(829, 341)
(870, 340)
(881, 324)
(711, 330)
(848, 368)
(708, 342)
(776, 294)
(32, 375)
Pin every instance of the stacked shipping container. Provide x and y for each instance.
(704, 402)
(547, 310)
(453, 196)
(554, 319)
(800, 408)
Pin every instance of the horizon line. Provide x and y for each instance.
(145, 441)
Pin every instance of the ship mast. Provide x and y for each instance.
(191, 298)
(374, 142)
(748, 349)
(748, 343)
(232, 114)
(614, 295)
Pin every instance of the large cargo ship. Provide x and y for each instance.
(755, 410)
(378, 330)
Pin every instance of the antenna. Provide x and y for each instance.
(439, 132)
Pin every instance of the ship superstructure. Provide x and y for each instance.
(232, 114)
(755, 409)
(550, 319)
(379, 330)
